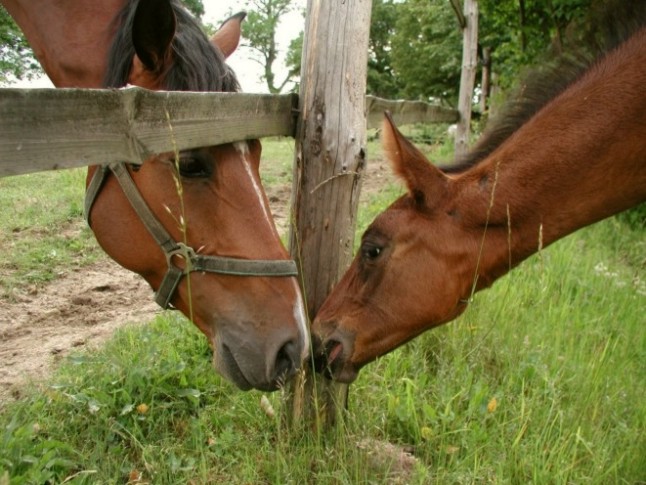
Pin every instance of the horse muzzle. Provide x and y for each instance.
(332, 355)
(264, 365)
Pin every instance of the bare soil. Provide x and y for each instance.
(83, 307)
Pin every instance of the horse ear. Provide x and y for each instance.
(426, 183)
(228, 35)
(153, 31)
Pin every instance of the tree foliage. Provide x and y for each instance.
(416, 45)
(415, 50)
(382, 81)
(427, 50)
(260, 29)
(521, 32)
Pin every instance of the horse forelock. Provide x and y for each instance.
(606, 26)
(196, 64)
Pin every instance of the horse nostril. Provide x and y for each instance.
(287, 361)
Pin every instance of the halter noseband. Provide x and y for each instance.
(172, 248)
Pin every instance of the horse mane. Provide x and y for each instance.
(607, 25)
(197, 64)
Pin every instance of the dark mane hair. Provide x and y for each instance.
(606, 27)
(197, 64)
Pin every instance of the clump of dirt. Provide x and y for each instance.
(398, 461)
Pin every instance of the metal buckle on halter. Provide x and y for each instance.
(174, 274)
(185, 252)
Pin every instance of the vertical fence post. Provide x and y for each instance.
(468, 74)
(329, 159)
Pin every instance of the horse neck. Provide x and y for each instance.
(581, 159)
(70, 39)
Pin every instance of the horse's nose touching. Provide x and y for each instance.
(332, 350)
(264, 362)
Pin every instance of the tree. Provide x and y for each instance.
(260, 30)
(16, 57)
(415, 50)
(521, 32)
(427, 50)
(382, 80)
(294, 56)
(415, 45)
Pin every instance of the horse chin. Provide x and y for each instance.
(347, 374)
(340, 371)
(226, 365)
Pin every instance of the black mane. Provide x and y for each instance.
(197, 64)
(607, 26)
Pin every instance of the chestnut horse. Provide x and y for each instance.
(196, 224)
(578, 159)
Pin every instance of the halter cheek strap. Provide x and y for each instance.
(174, 250)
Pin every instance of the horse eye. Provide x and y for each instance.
(370, 252)
(191, 166)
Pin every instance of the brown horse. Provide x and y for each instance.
(196, 224)
(578, 159)
(70, 39)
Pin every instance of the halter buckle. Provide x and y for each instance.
(185, 252)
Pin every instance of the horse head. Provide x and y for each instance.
(558, 168)
(200, 230)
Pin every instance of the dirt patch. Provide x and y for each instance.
(279, 200)
(377, 177)
(83, 307)
(398, 461)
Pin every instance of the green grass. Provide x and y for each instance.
(276, 160)
(540, 381)
(560, 345)
(42, 231)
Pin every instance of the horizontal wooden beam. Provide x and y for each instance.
(407, 112)
(48, 129)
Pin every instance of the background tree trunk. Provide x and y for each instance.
(468, 76)
(329, 160)
(486, 79)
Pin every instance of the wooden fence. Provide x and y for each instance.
(49, 129)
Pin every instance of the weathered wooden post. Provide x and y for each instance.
(469, 23)
(329, 159)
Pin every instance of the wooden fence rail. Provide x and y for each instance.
(63, 128)
(407, 112)
(49, 129)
